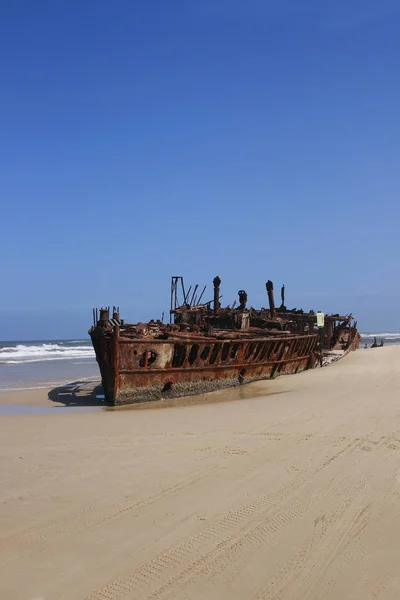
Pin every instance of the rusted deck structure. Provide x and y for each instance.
(206, 347)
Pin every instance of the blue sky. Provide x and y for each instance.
(141, 139)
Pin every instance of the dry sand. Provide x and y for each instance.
(294, 495)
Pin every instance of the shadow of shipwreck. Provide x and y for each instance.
(78, 393)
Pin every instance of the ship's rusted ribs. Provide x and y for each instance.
(217, 283)
(270, 290)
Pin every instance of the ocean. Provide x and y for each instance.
(43, 363)
(386, 337)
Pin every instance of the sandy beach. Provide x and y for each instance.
(288, 490)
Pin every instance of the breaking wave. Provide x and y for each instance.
(386, 336)
(31, 353)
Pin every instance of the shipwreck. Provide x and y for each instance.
(206, 347)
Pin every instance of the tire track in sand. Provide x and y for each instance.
(232, 530)
(92, 515)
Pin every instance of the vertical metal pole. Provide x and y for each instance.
(172, 302)
(321, 343)
(216, 283)
(270, 290)
(183, 288)
(321, 323)
(116, 361)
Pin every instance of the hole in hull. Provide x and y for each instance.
(205, 352)
(250, 351)
(193, 353)
(225, 351)
(214, 354)
(235, 348)
(179, 355)
(258, 351)
(242, 375)
(151, 356)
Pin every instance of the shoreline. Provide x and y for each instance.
(84, 392)
(23, 379)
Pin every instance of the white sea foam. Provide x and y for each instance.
(12, 355)
(387, 335)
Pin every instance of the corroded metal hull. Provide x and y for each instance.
(136, 371)
(207, 347)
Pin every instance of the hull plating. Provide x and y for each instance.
(137, 371)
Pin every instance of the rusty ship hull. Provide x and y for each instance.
(139, 371)
(206, 347)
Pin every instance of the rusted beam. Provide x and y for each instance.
(270, 290)
(194, 294)
(216, 367)
(201, 295)
(216, 283)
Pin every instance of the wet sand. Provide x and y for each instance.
(78, 393)
(290, 492)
